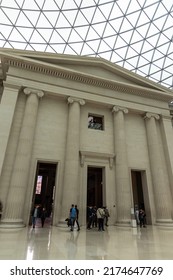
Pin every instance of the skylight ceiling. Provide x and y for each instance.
(135, 34)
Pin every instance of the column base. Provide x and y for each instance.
(11, 224)
(164, 222)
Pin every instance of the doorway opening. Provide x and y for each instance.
(44, 190)
(95, 186)
(138, 197)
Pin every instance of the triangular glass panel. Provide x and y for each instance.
(4, 19)
(106, 9)
(56, 38)
(51, 5)
(39, 47)
(70, 16)
(26, 32)
(65, 33)
(98, 16)
(10, 4)
(100, 28)
(103, 47)
(66, 5)
(36, 38)
(87, 3)
(12, 14)
(6, 30)
(19, 45)
(45, 33)
(88, 14)
(23, 21)
(30, 5)
(69, 50)
(62, 22)
(92, 34)
(116, 12)
(94, 45)
(74, 37)
(32, 16)
(83, 30)
(81, 20)
(77, 47)
(16, 36)
(43, 22)
(52, 16)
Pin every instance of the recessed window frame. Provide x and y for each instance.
(96, 122)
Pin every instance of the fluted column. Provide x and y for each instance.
(13, 214)
(71, 177)
(162, 193)
(121, 171)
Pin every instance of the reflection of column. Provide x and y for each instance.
(13, 213)
(122, 172)
(71, 177)
(162, 194)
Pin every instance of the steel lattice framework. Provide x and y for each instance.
(135, 34)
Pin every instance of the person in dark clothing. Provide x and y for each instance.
(90, 217)
(77, 217)
(94, 218)
(43, 216)
(35, 214)
(142, 218)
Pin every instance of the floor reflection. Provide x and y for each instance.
(60, 243)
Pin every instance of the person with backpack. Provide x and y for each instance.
(73, 216)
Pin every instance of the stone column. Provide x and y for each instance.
(71, 177)
(122, 173)
(161, 189)
(7, 108)
(13, 214)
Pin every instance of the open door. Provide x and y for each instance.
(44, 189)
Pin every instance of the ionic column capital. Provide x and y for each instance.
(39, 93)
(116, 109)
(151, 115)
(74, 99)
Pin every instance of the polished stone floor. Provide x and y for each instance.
(115, 243)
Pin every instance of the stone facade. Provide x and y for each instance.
(45, 106)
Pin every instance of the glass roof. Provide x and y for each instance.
(135, 34)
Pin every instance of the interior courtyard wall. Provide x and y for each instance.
(51, 129)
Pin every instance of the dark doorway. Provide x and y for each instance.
(138, 197)
(95, 186)
(44, 189)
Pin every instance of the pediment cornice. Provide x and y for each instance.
(73, 75)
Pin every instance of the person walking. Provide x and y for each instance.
(43, 216)
(77, 217)
(107, 215)
(100, 217)
(142, 218)
(73, 215)
(35, 215)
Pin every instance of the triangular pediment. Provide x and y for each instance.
(92, 67)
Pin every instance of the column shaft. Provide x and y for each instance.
(13, 214)
(162, 194)
(71, 173)
(121, 171)
(7, 108)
